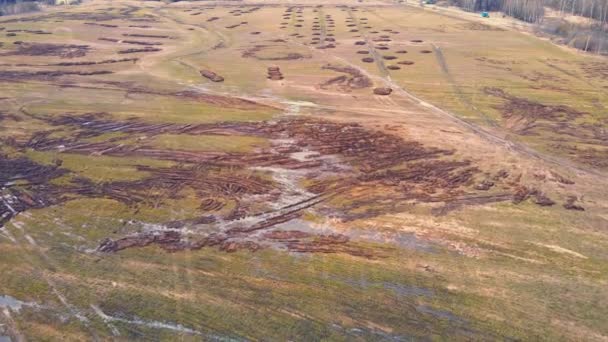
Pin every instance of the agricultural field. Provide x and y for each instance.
(308, 170)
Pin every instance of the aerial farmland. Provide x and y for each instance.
(267, 170)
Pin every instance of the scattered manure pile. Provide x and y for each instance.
(47, 50)
(353, 79)
(212, 76)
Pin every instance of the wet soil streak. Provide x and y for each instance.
(346, 161)
(23, 186)
(341, 170)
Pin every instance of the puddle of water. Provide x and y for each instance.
(12, 303)
(300, 103)
(289, 181)
(402, 239)
(303, 155)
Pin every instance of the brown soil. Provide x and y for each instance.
(32, 191)
(147, 49)
(458, 203)
(523, 193)
(133, 42)
(480, 27)
(102, 25)
(146, 35)
(83, 63)
(46, 75)
(346, 83)
(485, 185)
(383, 91)
(212, 76)
(596, 157)
(274, 73)
(523, 116)
(31, 31)
(379, 173)
(570, 204)
(294, 241)
(597, 70)
(561, 179)
(252, 53)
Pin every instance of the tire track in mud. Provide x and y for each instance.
(459, 93)
(223, 41)
(494, 138)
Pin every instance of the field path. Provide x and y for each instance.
(486, 135)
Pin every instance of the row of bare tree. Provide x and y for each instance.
(591, 36)
(8, 7)
(595, 9)
(533, 10)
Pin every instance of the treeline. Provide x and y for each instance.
(595, 9)
(8, 7)
(533, 10)
(589, 36)
(527, 10)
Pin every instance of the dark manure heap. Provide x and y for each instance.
(45, 49)
(146, 49)
(212, 76)
(274, 73)
(384, 91)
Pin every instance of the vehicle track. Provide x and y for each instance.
(477, 130)
(446, 71)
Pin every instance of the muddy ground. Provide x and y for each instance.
(312, 171)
